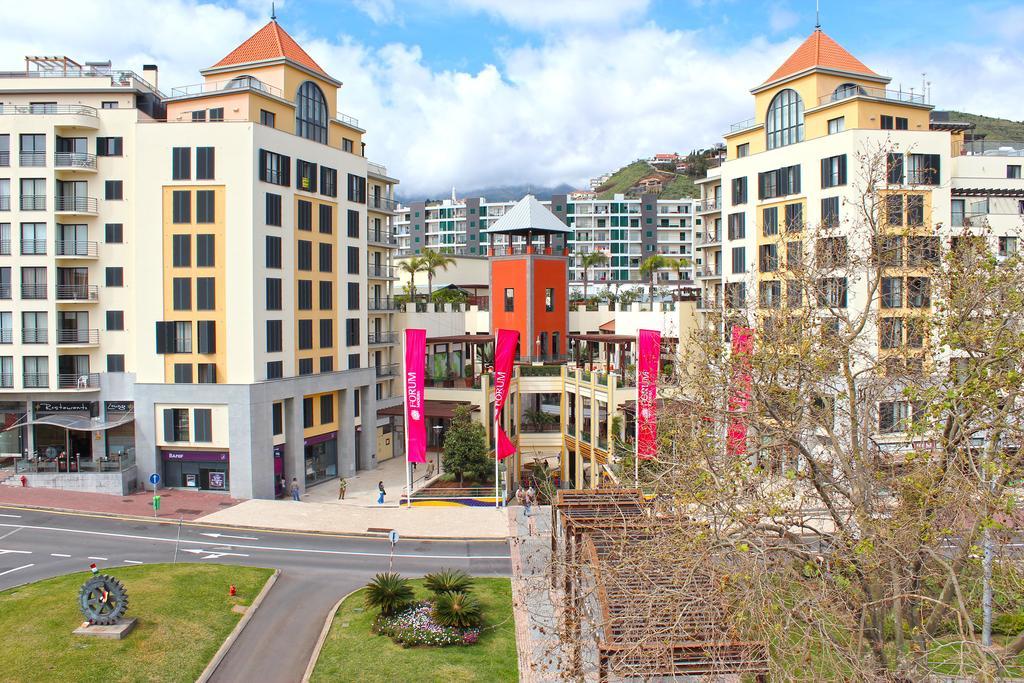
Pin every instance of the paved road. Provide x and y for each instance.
(316, 570)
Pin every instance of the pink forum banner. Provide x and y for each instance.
(415, 420)
(648, 361)
(505, 343)
(739, 396)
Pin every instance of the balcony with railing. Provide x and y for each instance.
(710, 237)
(36, 380)
(34, 335)
(709, 271)
(6, 335)
(379, 338)
(5, 202)
(350, 121)
(6, 380)
(709, 303)
(77, 249)
(708, 205)
(32, 158)
(76, 205)
(383, 303)
(74, 161)
(5, 158)
(31, 290)
(389, 370)
(33, 202)
(381, 271)
(5, 291)
(239, 83)
(843, 93)
(33, 247)
(377, 169)
(382, 203)
(992, 148)
(78, 293)
(743, 125)
(81, 381)
(78, 337)
(381, 237)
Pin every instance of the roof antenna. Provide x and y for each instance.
(817, 15)
(273, 12)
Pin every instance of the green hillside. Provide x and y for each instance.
(628, 176)
(992, 128)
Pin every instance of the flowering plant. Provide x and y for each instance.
(415, 625)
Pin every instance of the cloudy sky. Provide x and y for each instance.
(476, 93)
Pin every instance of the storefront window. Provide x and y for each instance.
(12, 439)
(204, 470)
(321, 461)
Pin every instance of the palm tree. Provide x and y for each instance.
(411, 265)
(431, 261)
(681, 264)
(591, 260)
(650, 268)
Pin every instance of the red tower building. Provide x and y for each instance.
(530, 280)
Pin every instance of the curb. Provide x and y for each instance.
(239, 627)
(323, 636)
(239, 527)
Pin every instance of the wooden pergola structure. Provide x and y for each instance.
(654, 619)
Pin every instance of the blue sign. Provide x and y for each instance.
(154, 479)
(393, 537)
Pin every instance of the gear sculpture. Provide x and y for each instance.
(102, 599)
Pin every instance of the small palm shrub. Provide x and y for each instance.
(448, 581)
(457, 610)
(388, 592)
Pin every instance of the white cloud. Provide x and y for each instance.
(566, 13)
(379, 11)
(781, 18)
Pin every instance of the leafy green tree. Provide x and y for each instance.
(591, 260)
(449, 296)
(431, 262)
(411, 266)
(465, 447)
(650, 267)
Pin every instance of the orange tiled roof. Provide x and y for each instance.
(820, 50)
(270, 42)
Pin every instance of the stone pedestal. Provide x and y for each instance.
(116, 631)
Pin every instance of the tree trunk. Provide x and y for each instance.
(430, 286)
(584, 285)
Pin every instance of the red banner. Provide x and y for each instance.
(415, 420)
(505, 343)
(739, 396)
(648, 362)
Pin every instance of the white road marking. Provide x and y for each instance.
(16, 552)
(270, 548)
(24, 566)
(59, 555)
(10, 533)
(243, 538)
(102, 559)
(211, 554)
(13, 516)
(132, 562)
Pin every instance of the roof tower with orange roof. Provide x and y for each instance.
(270, 43)
(819, 51)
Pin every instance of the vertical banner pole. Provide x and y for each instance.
(494, 376)
(405, 419)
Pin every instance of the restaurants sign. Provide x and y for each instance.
(63, 407)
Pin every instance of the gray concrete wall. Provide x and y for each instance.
(113, 483)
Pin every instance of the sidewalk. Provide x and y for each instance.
(336, 517)
(362, 488)
(174, 504)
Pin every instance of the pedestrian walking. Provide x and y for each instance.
(342, 485)
(531, 497)
(295, 488)
(283, 486)
(380, 488)
(520, 494)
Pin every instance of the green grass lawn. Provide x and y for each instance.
(353, 653)
(183, 611)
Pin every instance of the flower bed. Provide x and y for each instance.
(415, 626)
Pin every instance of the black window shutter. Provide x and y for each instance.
(842, 169)
(312, 177)
(760, 185)
(207, 330)
(286, 171)
(168, 424)
(784, 188)
(263, 165)
(161, 337)
(796, 180)
(824, 173)
(932, 169)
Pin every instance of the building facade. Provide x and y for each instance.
(208, 263)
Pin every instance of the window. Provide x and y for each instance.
(327, 295)
(739, 260)
(273, 294)
(356, 189)
(778, 183)
(34, 327)
(217, 114)
(915, 210)
(353, 296)
(919, 292)
(114, 276)
(735, 294)
(328, 181)
(273, 210)
(886, 122)
(353, 260)
(893, 416)
(33, 239)
(770, 221)
(894, 168)
(275, 168)
(894, 209)
(275, 369)
(109, 147)
(510, 304)
(109, 104)
(549, 299)
(836, 125)
(833, 171)
(205, 248)
(181, 206)
(311, 113)
(181, 251)
(326, 409)
(204, 163)
(113, 189)
(892, 292)
(794, 255)
(305, 176)
(206, 373)
(326, 333)
(37, 372)
(326, 219)
(770, 294)
(901, 123)
(115, 320)
(176, 424)
(922, 251)
(326, 258)
(305, 295)
(784, 124)
(832, 292)
(923, 169)
(794, 217)
(181, 163)
(205, 206)
(114, 233)
(277, 419)
(1007, 246)
(275, 336)
(33, 282)
(794, 294)
(305, 335)
(830, 212)
(768, 258)
(347, 145)
(739, 190)
(353, 223)
(831, 252)
(206, 297)
(199, 116)
(203, 418)
(743, 150)
(304, 255)
(890, 332)
(889, 251)
(182, 293)
(737, 226)
(1013, 171)
(307, 412)
(304, 217)
(352, 332)
(183, 373)
(115, 362)
(915, 332)
(268, 118)
(273, 245)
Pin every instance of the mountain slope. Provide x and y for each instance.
(992, 128)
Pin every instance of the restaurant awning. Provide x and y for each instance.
(78, 423)
(440, 409)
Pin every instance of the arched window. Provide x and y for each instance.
(311, 112)
(785, 121)
(846, 90)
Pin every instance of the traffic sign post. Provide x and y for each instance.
(154, 479)
(156, 505)
(393, 537)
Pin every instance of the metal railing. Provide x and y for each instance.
(77, 248)
(5, 158)
(240, 83)
(33, 202)
(742, 125)
(992, 148)
(384, 303)
(34, 335)
(78, 336)
(714, 204)
(33, 291)
(84, 380)
(6, 380)
(37, 109)
(382, 338)
(33, 247)
(36, 380)
(78, 292)
(389, 370)
(348, 120)
(844, 93)
(713, 237)
(5, 291)
(6, 335)
(381, 237)
(68, 204)
(377, 202)
(32, 158)
(74, 160)
(706, 271)
(5, 202)
(379, 169)
(709, 303)
(380, 270)
(118, 77)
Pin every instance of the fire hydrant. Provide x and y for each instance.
(231, 591)
(24, 480)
